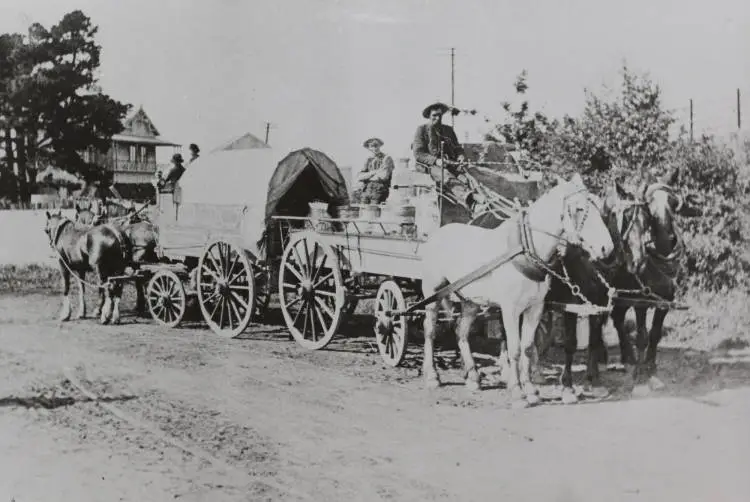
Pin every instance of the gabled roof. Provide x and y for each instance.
(138, 128)
(140, 125)
(245, 142)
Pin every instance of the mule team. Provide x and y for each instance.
(623, 240)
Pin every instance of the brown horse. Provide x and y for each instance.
(649, 282)
(103, 249)
(142, 236)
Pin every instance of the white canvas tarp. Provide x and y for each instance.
(229, 177)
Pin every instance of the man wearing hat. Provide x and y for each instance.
(194, 152)
(173, 176)
(436, 147)
(374, 181)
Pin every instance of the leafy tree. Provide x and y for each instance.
(55, 104)
(629, 132)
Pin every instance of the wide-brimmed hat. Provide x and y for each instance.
(194, 147)
(367, 142)
(439, 106)
(177, 158)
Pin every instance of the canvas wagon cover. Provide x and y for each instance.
(229, 177)
(301, 177)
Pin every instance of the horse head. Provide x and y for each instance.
(582, 221)
(663, 203)
(628, 220)
(54, 226)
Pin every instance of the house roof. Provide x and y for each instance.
(245, 142)
(142, 140)
(138, 128)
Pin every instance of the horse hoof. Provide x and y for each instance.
(533, 399)
(519, 404)
(79, 316)
(65, 318)
(641, 390)
(569, 396)
(472, 385)
(655, 384)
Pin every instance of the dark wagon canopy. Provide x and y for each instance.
(302, 177)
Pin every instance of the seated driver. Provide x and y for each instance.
(374, 180)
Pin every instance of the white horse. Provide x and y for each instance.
(567, 214)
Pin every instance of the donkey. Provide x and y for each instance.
(565, 215)
(143, 238)
(103, 249)
(648, 275)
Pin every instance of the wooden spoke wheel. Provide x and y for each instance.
(226, 289)
(391, 333)
(165, 295)
(311, 291)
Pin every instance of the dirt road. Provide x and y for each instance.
(266, 420)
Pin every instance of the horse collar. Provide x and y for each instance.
(528, 262)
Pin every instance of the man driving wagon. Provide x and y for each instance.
(438, 152)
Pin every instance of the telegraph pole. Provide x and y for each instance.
(691, 120)
(453, 85)
(268, 129)
(739, 115)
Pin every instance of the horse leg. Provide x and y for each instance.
(502, 359)
(428, 364)
(468, 316)
(65, 312)
(654, 338)
(595, 356)
(116, 292)
(81, 276)
(627, 356)
(530, 322)
(512, 335)
(641, 343)
(106, 311)
(140, 291)
(571, 345)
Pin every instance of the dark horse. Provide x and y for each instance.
(103, 250)
(628, 226)
(646, 278)
(142, 236)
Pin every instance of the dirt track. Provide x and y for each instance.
(280, 423)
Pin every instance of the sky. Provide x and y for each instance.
(329, 74)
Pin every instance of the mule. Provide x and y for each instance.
(565, 215)
(104, 250)
(648, 275)
(143, 238)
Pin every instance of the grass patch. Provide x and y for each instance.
(29, 278)
(713, 320)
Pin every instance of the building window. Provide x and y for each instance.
(143, 154)
(132, 152)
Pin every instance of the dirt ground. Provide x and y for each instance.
(182, 414)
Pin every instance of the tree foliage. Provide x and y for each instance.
(50, 96)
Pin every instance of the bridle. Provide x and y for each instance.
(62, 223)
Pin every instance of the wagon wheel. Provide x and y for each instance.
(166, 298)
(311, 291)
(391, 333)
(262, 278)
(226, 289)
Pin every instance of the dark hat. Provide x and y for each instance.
(194, 147)
(439, 106)
(177, 158)
(379, 141)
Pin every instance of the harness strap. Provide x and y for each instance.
(466, 280)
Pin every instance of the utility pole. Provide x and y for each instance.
(691, 120)
(739, 115)
(453, 85)
(268, 129)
